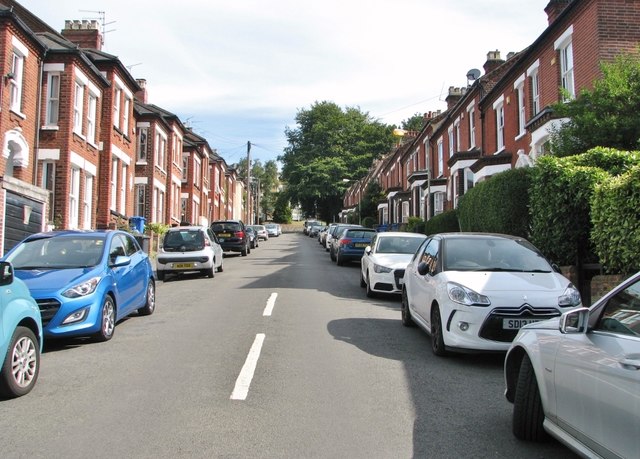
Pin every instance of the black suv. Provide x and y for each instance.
(232, 236)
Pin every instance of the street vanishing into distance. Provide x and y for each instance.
(279, 356)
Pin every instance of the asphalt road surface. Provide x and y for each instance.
(279, 356)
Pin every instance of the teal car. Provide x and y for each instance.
(20, 335)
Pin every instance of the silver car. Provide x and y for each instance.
(577, 377)
(188, 249)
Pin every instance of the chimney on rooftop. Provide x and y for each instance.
(493, 61)
(554, 8)
(85, 33)
(141, 95)
(454, 96)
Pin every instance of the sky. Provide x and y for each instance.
(239, 71)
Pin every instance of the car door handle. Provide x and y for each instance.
(630, 363)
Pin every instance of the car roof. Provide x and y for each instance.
(75, 233)
(401, 233)
(477, 235)
(188, 228)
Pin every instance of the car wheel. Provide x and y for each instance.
(150, 303)
(339, 260)
(21, 365)
(160, 275)
(220, 268)
(244, 252)
(332, 255)
(370, 293)
(108, 320)
(437, 338)
(363, 284)
(528, 414)
(211, 272)
(407, 321)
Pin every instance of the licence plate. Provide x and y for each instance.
(183, 265)
(515, 324)
(224, 235)
(360, 244)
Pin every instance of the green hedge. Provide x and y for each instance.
(446, 222)
(369, 222)
(616, 226)
(498, 205)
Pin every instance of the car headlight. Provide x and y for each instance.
(83, 289)
(381, 269)
(463, 295)
(570, 297)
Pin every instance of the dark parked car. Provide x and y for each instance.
(352, 243)
(232, 235)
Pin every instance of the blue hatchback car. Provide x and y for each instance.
(352, 243)
(85, 281)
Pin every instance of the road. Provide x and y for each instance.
(225, 368)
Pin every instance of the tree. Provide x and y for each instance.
(606, 116)
(267, 177)
(328, 145)
(415, 123)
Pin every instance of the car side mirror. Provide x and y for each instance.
(121, 260)
(423, 268)
(575, 322)
(367, 250)
(6, 273)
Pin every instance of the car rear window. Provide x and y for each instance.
(190, 239)
(359, 233)
(225, 226)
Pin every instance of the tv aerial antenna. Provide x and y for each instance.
(102, 19)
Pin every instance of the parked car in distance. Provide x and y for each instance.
(326, 241)
(577, 376)
(253, 237)
(85, 281)
(273, 229)
(308, 224)
(385, 259)
(20, 336)
(474, 291)
(261, 231)
(352, 243)
(335, 236)
(232, 236)
(315, 230)
(189, 249)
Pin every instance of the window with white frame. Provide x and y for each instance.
(53, 99)
(158, 199)
(197, 172)
(116, 107)
(405, 211)
(456, 134)
(175, 200)
(183, 208)
(564, 46)
(16, 81)
(498, 106)
(74, 198)
(48, 182)
(438, 203)
(160, 146)
(440, 157)
(519, 89)
(87, 201)
(468, 179)
(78, 106)
(114, 183)
(472, 128)
(141, 190)
(185, 167)
(451, 145)
(125, 116)
(422, 199)
(534, 82)
(143, 135)
(91, 118)
(123, 189)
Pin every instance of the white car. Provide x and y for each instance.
(577, 377)
(273, 229)
(384, 261)
(188, 249)
(261, 231)
(474, 291)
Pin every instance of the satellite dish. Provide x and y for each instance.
(473, 74)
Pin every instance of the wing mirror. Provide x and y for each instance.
(575, 321)
(423, 268)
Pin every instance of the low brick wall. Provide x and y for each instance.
(602, 284)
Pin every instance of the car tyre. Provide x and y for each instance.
(339, 260)
(363, 284)
(21, 365)
(332, 255)
(244, 252)
(160, 275)
(211, 272)
(437, 338)
(370, 293)
(528, 413)
(407, 321)
(150, 302)
(220, 268)
(108, 320)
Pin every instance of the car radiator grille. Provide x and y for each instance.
(492, 328)
(48, 308)
(398, 274)
(165, 260)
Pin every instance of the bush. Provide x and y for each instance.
(498, 205)
(446, 222)
(369, 222)
(415, 225)
(616, 226)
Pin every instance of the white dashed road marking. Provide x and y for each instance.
(270, 304)
(241, 389)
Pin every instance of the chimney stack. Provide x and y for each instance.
(141, 95)
(454, 96)
(554, 8)
(493, 61)
(85, 33)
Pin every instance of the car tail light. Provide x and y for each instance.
(239, 234)
(207, 243)
(345, 241)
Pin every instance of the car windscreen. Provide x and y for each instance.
(184, 240)
(493, 254)
(399, 244)
(58, 253)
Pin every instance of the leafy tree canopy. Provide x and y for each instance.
(415, 123)
(330, 144)
(607, 115)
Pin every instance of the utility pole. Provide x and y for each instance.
(248, 201)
